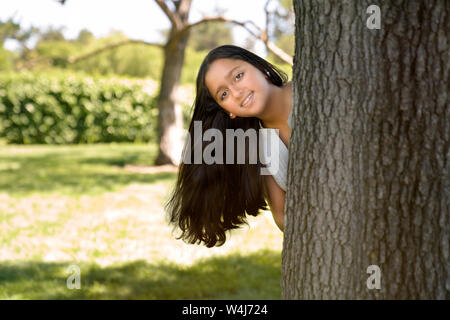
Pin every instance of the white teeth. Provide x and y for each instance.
(247, 99)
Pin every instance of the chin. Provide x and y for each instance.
(256, 110)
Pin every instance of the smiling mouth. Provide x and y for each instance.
(247, 100)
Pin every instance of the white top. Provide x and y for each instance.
(278, 165)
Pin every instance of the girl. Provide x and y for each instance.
(234, 89)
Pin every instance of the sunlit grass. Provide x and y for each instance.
(234, 276)
(64, 205)
(73, 170)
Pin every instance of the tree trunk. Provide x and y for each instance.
(170, 117)
(368, 162)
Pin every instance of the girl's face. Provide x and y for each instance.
(238, 87)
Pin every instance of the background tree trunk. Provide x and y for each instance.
(368, 163)
(170, 116)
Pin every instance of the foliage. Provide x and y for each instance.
(57, 50)
(85, 36)
(64, 108)
(192, 61)
(12, 30)
(133, 60)
(6, 60)
(52, 34)
(207, 36)
(8, 29)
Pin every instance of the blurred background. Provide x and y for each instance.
(79, 89)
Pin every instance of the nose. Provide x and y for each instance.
(236, 91)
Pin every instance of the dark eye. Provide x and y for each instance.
(223, 97)
(239, 75)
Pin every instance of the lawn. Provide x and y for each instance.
(100, 208)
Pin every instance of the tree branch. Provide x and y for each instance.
(174, 19)
(29, 64)
(111, 46)
(222, 19)
(267, 13)
(261, 36)
(279, 52)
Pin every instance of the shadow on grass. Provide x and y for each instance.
(73, 171)
(235, 276)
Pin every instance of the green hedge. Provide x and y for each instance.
(66, 108)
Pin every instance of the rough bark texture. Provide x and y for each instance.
(368, 180)
(170, 117)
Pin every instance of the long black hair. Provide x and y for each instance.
(210, 199)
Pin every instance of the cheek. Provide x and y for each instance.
(227, 106)
(264, 92)
(261, 86)
(261, 83)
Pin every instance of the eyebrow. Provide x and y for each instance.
(229, 73)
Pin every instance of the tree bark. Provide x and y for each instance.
(170, 116)
(368, 174)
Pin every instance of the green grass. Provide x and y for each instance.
(255, 276)
(66, 205)
(73, 170)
